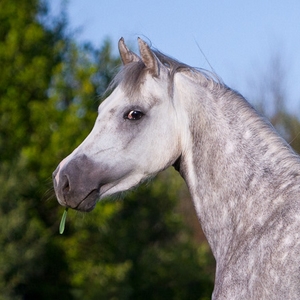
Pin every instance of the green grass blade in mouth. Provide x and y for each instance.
(63, 221)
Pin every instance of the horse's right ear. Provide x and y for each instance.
(126, 55)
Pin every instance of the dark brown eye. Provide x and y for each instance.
(133, 115)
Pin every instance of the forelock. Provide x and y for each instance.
(131, 77)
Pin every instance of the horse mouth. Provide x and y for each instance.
(89, 202)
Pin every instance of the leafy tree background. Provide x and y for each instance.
(147, 246)
(50, 89)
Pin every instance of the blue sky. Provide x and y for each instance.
(237, 37)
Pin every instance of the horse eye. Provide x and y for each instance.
(133, 115)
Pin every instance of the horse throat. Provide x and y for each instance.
(176, 164)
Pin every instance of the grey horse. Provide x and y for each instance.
(242, 176)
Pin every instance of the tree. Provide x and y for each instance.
(269, 92)
(28, 53)
(49, 87)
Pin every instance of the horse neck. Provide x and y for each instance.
(236, 167)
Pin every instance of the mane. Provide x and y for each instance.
(174, 66)
(131, 76)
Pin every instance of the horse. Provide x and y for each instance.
(243, 178)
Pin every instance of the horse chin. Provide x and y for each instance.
(89, 202)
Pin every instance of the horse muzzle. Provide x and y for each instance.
(76, 183)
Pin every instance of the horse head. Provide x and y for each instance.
(134, 136)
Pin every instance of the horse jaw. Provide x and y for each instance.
(119, 186)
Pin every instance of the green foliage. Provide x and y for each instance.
(27, 54)
(288, 126)
(131, 249)
(27, 57)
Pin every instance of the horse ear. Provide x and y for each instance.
(149, 58)
(126, 55)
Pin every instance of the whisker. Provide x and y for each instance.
(49, 194)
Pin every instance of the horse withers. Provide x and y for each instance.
(242, 176)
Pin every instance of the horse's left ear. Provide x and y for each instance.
(149, 58)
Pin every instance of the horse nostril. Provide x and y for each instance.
(66, 186)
